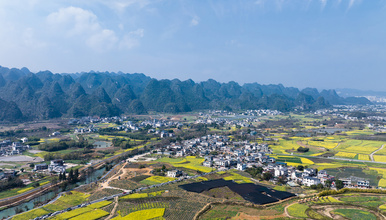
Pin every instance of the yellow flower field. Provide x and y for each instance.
(345, 154)
(100, 204)
(380, 158)
(363, 157)
(153, 180)
(31, 214)
(306, 161)
(135, 196)
(359, 146)
(143, 214)
(318, 154)
(238, 178)
(25, 190)
(325, 144)
(73, 213)
(95, 214)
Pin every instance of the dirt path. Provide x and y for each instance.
(113, 211)
(372, 154)
(336, 146)
(286, 210)
(123, 172)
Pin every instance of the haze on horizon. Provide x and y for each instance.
(300, 43)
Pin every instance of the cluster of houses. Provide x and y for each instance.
(88, 129)
(8, 148)
(222, 154)
(56, 166)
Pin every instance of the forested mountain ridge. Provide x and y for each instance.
(26, 96)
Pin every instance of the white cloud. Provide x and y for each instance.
(29, 39)
(260, 3)
(195, 21)
(352, 2)
(82, 25)
(101, 41)
(323, 3)
(121, 5)
(75, 20)
(131, 39)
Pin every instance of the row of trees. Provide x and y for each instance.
(62, 145)
(73, 176)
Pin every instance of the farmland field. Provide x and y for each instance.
(73, 213)
(359, 146)
(190, 162)
(144, 214)
(355, 214)
(298, 210)
(31, 214)
(345, 154)
(95, 214)
(153, 180)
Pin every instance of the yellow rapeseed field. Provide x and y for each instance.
(143, 214)
(345, 154)
(363, 157)
(380, 158)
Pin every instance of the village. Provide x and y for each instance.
(222, 155)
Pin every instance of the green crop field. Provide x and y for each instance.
(30, 214)
(298, 210)
(355, 214)
(95, 214)
(153, 180)
(73, 213)
(190, 162)
(359, 146)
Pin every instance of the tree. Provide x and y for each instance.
(339, 184)
(22, 170)
(31, 165)
(300, 168)
(76, 175)
(71, 175)
(267, 176)
(60, 177)
(328, 183)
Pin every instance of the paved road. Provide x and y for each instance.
(372, 154)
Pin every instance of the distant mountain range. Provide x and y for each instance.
(27, 96)
(357, 92)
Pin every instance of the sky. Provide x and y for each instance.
(324, 44)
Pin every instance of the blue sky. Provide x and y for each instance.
(301, 43)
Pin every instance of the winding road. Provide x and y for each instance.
(372, 154)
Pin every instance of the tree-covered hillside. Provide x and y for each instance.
(44, 95)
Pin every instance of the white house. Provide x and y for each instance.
(241, 166)
(309, 181)
(174, 173)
